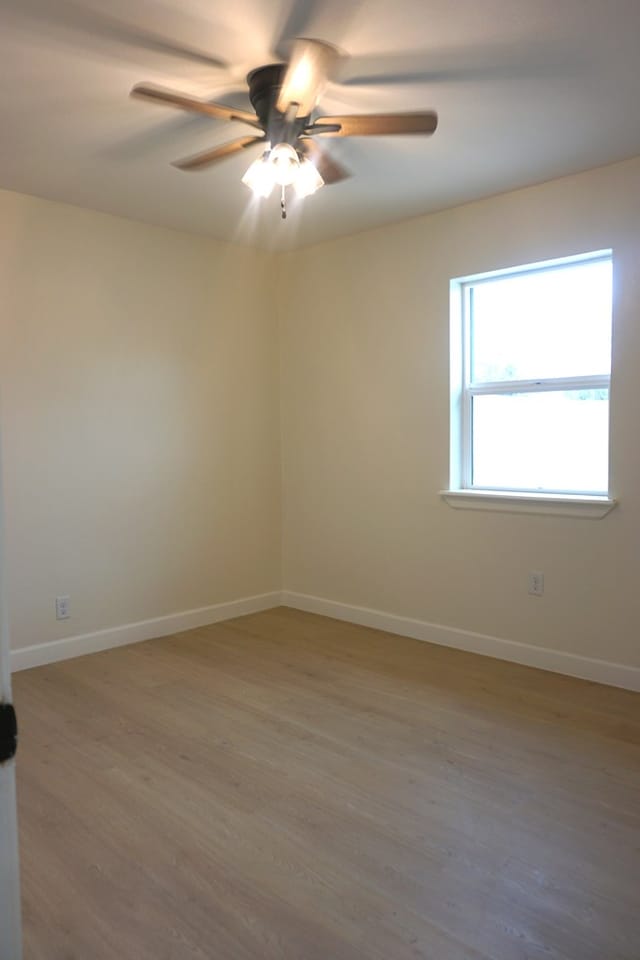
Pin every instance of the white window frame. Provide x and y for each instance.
(461, 492)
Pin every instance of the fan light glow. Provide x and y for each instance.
(285, 163)
(308, 180)
(259, 177)
(282, 166)
(309, 66)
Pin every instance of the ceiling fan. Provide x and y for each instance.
(284, 97)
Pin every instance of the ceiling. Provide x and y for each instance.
(526, 90)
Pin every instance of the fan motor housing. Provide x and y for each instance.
(264, 89)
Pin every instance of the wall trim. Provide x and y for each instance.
(570, 664)
(557, 661)
(41, 653)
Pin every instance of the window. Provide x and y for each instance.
(531, 367)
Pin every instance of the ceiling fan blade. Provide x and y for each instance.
(147, 40)
(329, 169)
(306, 77)
(94, 27)
(200, 160)
(410, 67)
(375, 124)
(142, 37)
(217, 110)
(499, 61)
(298, 22)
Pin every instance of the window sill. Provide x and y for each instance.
(562, 505)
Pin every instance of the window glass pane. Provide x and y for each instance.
(555, 441)
(548, 323)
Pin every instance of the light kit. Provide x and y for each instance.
(282, 166)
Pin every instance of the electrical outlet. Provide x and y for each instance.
(536, 583)
(62, 608)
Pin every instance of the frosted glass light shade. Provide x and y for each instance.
(308, 180)
(285, 164)
(283, 167)
(260, 177)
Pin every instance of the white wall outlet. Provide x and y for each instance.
(62, 608)
(536, 583)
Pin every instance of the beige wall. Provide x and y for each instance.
(139, 374)
(365, 427)
(142, 423)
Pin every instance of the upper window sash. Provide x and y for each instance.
(544, 266)
(471, 337)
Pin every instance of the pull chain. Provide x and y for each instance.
(283, 204)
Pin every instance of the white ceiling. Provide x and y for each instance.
(525, 90)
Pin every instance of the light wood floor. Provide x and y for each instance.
(287, 786)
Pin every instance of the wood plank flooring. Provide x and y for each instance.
(287, 786)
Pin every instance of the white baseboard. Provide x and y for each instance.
(586, 668)
(41, 653)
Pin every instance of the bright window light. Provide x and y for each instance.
(532, 348)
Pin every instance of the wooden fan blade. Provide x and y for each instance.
(92, 28)
(375, 124)
(298, 22)
(500, 60)
(329, 169)
(200, 160)
(217, 110)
